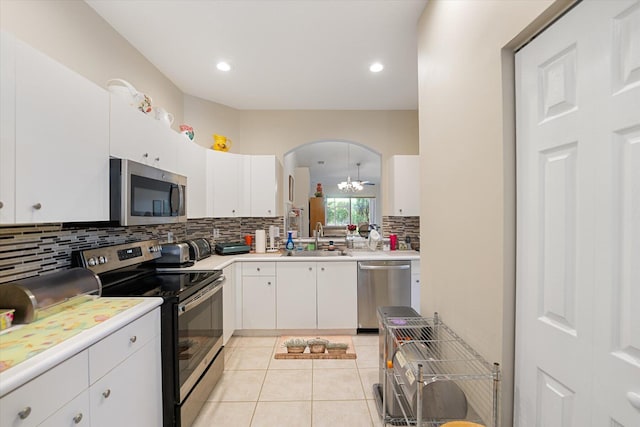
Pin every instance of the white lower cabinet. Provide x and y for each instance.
(296, 295)
(415, 285)
(70, 394)
(130, 394)
(337, 294)
(74, 413)
(36, 401)
(317, 295)
(258, 295)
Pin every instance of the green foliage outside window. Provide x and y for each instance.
(349, 210)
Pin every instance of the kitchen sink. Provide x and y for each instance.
(315, 253)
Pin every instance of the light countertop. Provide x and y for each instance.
(27, 351)
(217, 262)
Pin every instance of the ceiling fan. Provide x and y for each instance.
(362, 182)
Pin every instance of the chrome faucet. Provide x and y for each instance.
(318, 232)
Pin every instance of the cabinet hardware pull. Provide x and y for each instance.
(145, 155)
(77, 418)
(157, 159)
(1, 205)
(269, 283)
(133, 339)
(310, 268)
(321, 268)
(106, 393)
(37, 206)
(24, 413)
(258, 268)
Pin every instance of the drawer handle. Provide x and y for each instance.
(321, 268)
(133, 339)
(310, 268)
(269, 283)
(1, 205)
(258, 268)
(24, 413)
(106, 393)
(37, 206)
(157, 159)
(77, 418)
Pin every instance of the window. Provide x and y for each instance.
(350, 210)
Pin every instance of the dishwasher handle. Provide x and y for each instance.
(384, 267)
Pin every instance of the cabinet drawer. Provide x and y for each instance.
(42, 396)
(112, 350)
(258, 268)
(73, 414)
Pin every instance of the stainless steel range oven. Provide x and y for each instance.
(191, 317)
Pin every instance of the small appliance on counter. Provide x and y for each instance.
(199, 249)
(174, 255)
(232, 248)
(37, 297)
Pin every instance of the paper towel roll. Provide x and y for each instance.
(260, 241)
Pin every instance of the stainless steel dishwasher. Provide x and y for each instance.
(381, 283)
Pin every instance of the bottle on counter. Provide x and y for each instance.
(290, 245)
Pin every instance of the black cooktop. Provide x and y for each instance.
(178, 284)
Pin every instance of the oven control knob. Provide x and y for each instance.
(92, 262)
(102, 260)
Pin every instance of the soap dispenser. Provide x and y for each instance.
(289, 246)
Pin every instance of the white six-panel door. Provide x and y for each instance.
(578, 249)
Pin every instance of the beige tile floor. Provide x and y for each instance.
(257, 390)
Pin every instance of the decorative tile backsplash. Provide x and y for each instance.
(36, 249)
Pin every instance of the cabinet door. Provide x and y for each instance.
(259, 302)
(140, 137)
(192, 163)
(296, 295)
(229, 303)
(62, 143)
(266, 177)
(228, 180)
(337, 295)
(404, 173)
(74, 414)
(130, 394)
(7, 127)
(44, 395)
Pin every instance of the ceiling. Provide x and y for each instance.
(284, 54)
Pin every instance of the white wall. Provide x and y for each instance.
(70, 32)
(468, 169)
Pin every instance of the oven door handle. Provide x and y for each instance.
(202, 297)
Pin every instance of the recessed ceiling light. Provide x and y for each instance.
(223, 66)
(376, 67)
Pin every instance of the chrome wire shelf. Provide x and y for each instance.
(425, 351)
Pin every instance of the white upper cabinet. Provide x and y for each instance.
(228, 184)
(266, 182)
(7, 127)
(55, 140)
(192, 163)
(404, 189)
(140, 137)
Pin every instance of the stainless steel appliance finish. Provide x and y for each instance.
(37, 297)
(199, 249)
(191, 320)
(174, 254)
(381, 283)
(141, 194)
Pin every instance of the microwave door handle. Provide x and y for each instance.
(180, 199)
(172, 200)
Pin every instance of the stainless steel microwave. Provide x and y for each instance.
(141, 194)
